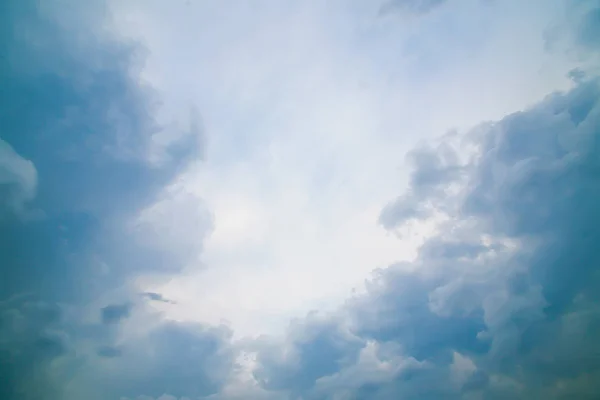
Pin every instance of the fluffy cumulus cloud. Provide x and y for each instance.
(503, 301)
(126, 244)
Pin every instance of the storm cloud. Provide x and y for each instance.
(101, 203)
(503, 303)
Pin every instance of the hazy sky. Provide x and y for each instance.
(334, 199)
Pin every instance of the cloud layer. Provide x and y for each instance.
(503, 302)
(80, 155)
(98, 206)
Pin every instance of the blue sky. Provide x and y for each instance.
(299, 200)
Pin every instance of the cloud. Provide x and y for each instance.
(173, 358)
(316, 347)
(417, 7)
(32, 338)
(81, 146)
(490, 307)
(157, 297)
(500, 303)
(589, 28)
(84, 124)
(434, 171)
(18, 179)
(109, 352)
(115, 313)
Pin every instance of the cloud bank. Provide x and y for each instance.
(80, 155)
(500, 301)
(417, 7)
(503, 302)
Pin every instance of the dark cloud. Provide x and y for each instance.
(503, 302)
(77, 144)
(31, 339)
(576, 35)
(78, 161)
(157, 297)
(577, 75)
(403, 209)
(114, 313)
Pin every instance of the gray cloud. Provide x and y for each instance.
(109, 351)
(31, 338)
(114, 313)
(178, 359)
(316, 347)
(18, 180)
(589, 28)
(576, 36)
(77, 144)
(511, 316)
(504, 303)
(434, 169)
(157, 297)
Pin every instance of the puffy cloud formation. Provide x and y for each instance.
(501, 301)
(80, 155)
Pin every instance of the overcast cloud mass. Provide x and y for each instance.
(299, 200)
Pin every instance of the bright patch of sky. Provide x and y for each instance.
(308, 109)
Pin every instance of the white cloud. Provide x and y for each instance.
(309, 109)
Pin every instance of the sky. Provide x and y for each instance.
(307, 200)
